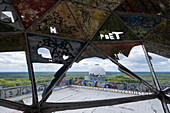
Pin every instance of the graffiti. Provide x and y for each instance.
(76, 82)
(139, 21)
(141, 25)
(88, 18)
(61, 50)
(58, 49)
(121, 86)
(111, 36)
(138, 87)
(113, 85)
(54, 20)
(62, 22)
(114, 24)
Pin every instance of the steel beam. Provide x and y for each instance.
(164, 104)
(151, 68)
(51, 107)
(13, 105)
(166, 90)
(31, 74)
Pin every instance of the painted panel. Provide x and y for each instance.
(61, 50)
(158, 40)
(103, 4)
(140, 6)
(12, 42)
(113, 24)
(61, 21)
(141, 25)
(115, 48)
(31, 10)
(90, 52)
(6, 7)
(6, 28)
(160, 34)
(88, 18)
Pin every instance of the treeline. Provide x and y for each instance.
(14, 82)
(25, 74)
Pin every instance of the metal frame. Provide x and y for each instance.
(46, 107)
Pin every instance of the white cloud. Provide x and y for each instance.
(16, 61)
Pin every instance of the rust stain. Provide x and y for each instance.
(111, 48)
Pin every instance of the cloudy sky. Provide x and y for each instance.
(16, 62)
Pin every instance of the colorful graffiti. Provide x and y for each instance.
(101, 84)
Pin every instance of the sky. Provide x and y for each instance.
(136, 62)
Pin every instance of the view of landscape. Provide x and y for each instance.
(15, 77)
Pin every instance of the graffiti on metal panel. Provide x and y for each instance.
(88, 18)
(56, 19)
(113, 24)
(61, 51)
(59, 22)
(141, 25)
(58, 49)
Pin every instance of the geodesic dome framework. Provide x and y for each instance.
(76, 29)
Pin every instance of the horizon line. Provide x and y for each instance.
(69, 71)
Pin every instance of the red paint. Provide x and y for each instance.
(112, 48)
(32, 10)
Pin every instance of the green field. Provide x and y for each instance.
(13, 77)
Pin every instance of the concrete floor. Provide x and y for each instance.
(83, 94)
